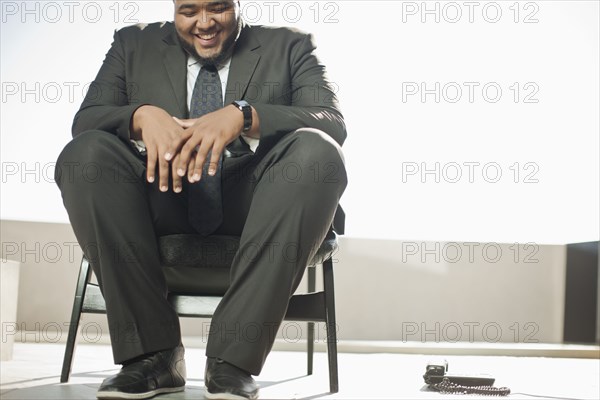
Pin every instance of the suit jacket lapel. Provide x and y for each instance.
(246, 56)
(175, 62)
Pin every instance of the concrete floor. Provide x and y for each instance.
(34, 371)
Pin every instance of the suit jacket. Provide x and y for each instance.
(274, 69)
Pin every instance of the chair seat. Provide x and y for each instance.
(196, 264)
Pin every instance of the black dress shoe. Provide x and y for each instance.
(162, 372)
(228, 382)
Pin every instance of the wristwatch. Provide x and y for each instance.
(245, 108)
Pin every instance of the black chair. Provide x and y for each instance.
(197, 273)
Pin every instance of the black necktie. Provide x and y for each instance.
(205, 205)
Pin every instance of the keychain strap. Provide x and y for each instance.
(447, 387)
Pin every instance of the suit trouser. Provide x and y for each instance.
(281, 201)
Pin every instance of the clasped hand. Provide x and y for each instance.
(179, 147)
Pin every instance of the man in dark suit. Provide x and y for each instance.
(166, 160)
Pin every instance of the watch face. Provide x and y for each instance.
(242, 103)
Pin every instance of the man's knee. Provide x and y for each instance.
(316, 145)
(319, 152)
(88, 154)
(88, 146)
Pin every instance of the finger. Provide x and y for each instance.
(173, 147)
(177, 136)
(177, 185)
(185, 123)
(150, 163)
(163, 174)
(187, 152)
(200, 159)
(179, 167)
(175, 144)
(214, 158)
(190, 169)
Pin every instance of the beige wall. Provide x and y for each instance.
(385, 289)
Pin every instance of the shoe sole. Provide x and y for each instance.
(145, 395)
(226, 396)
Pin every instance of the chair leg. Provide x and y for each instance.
(331, 325)
(84, 277)
(310, 340)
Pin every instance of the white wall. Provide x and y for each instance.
(378, 53)
(426, 292)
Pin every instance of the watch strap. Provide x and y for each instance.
(246, 110)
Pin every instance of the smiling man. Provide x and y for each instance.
(192, 125)
(209, 44)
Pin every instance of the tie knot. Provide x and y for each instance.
(210, 68)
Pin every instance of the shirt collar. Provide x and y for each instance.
(193, 63)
